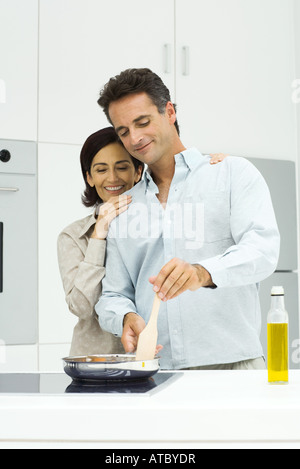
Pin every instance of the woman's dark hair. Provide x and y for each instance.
(132, 81)
(91, 147)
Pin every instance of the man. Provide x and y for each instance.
(201, 236)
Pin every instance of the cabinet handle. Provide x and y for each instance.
(186, 61)
(167, 58)
(9, 189)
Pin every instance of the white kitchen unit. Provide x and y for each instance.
(18, 69)
(60, 185)
(234, 71)
(85, 42)
(192, 409)
(18, 246)
(18, 358)
(229, 66)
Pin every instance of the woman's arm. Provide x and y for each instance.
(81, 273)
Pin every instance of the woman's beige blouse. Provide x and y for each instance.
(81, 263)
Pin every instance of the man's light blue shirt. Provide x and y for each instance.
(219, 216)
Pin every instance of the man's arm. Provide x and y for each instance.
(118, 294)
(177, 276)
(254, 229)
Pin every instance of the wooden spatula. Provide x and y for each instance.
(148, 337)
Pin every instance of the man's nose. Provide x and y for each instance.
(136, 138)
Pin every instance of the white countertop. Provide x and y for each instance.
(200, 408)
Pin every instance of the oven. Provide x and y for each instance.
(18, 242)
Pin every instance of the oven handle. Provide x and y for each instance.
(9, 189)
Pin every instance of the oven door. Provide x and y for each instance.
(18, 253)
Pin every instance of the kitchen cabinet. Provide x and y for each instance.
(230, 75)
(19, 358)
(60, 185)
(18, 69)
(85, 42)
(234, 74)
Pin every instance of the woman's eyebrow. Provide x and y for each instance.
(122, 161)
(117, 162)
(98, 164)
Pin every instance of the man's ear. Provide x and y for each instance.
(171, 113)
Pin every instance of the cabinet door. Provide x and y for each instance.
(18, 69)
(85, 42)
(60, 188)
(234, 76)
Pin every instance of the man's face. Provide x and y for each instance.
(146, 134)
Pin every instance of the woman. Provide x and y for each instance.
(108, 171)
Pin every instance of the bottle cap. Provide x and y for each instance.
(277, 291)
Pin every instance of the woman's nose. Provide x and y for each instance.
(112, 176)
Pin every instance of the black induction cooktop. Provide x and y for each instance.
(60, 383)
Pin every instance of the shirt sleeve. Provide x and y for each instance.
(81, 273)
(254, 256)
(118, 295)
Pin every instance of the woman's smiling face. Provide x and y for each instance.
(112, 172)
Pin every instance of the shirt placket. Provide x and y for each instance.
(174, 313)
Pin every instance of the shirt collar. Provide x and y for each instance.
(191, 158)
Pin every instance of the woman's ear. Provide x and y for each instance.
(90, 179)
(138, 174)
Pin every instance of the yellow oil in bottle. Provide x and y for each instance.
(278, 354)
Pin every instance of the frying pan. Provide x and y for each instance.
(109, 367)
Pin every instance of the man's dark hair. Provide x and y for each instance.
(133, 81)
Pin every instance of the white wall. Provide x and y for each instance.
(67, 49)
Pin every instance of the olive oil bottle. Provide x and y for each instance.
(278, 342)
